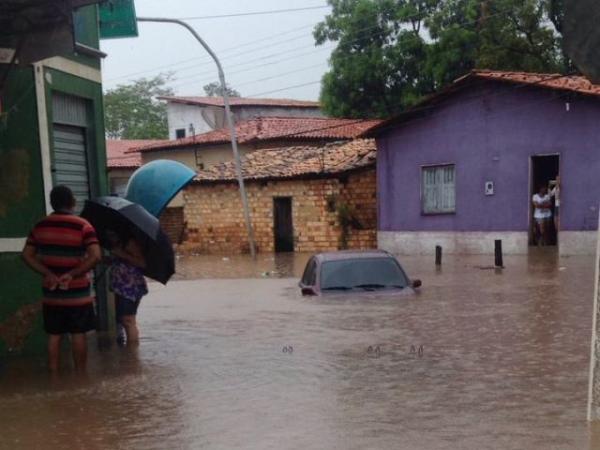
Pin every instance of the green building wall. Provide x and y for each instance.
(22, 194)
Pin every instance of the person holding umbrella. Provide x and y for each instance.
(139, 248)
(127, 282)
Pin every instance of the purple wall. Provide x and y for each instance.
(490, 131)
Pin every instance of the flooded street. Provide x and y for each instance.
(233, 357)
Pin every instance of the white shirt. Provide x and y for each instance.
(539, 212)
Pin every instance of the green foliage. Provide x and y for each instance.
(347, 219)
(214, 90)
(133, 112)
(391, 53)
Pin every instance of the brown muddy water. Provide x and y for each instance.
(232, 357)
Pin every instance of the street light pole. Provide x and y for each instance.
(228, 116)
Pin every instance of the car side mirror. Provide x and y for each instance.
(307, 290)
(416, 283)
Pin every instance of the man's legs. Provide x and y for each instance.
(79, 347)
(53, 351)
(543, 231)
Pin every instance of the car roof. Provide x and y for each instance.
(352, 254)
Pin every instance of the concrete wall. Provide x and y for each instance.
(215, 222)
(490, 132)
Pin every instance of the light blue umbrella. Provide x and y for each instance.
(155, 184)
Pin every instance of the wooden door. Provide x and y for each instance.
(282, 224)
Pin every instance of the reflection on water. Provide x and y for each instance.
(504, 365)
(278, 265)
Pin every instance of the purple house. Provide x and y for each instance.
(459, 170)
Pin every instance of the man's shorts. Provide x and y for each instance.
(125, 307)
(69, 319)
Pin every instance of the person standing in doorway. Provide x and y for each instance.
(127, 283)
(63, 248)
(555, 192)
(542, 214)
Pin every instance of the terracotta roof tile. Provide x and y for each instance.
(575, 83)
(571, 83)
(118, 156)
(294, 162)
(275, 128)
(241, 101)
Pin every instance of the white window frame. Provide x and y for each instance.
(441, 209)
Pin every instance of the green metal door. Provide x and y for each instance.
(70, 156)
(70, 162)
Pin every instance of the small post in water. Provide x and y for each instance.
(498, 253)
(438, 255)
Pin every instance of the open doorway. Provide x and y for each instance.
(283, 225)
(544, 170)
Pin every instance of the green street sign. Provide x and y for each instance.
(117, 19)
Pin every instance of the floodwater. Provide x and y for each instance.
(244, 362)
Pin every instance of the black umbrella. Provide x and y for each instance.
(127, 218)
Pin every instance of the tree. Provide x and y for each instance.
(214, 90)
(132, 111)
(391, 53)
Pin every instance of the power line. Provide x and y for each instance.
(234, 72)
(255, 13)
(253, 61)
(415, 16)
(283, 74)
(202, 76)
(284, 89)
(220, 52)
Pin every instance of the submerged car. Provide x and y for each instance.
(355, 271)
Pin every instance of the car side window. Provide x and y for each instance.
(309, 278)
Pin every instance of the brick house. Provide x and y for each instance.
(204, 151)
(303, 198)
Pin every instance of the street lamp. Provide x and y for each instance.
(234, 147)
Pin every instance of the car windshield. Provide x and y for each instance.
(362, 273)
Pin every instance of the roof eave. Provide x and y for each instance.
(304, 176)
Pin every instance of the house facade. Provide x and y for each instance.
(187, 116)
(304, 198)
(206, 150)
(460, 169)
(51, 132)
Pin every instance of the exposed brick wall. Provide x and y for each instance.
(172, 222)
(215, 221)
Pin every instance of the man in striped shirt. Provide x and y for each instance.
(64, 248)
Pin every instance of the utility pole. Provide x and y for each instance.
(230, 124)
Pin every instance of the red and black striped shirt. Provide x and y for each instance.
(61, 241)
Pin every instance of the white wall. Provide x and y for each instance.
(203, 118)
(181, 116)
(248, 112)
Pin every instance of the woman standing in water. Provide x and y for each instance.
(127, 282)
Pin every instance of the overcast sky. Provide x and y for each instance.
(261, 54)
